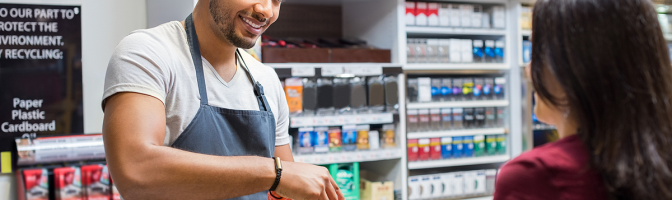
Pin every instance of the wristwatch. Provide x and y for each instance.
(278, 171)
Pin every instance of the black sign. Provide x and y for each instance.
(40, 72)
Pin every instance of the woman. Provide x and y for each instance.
(603, 77)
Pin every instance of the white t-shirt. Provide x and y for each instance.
(157, 62)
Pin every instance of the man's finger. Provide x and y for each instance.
(337, 189)
(331, 192)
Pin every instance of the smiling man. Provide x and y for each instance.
(190, 116)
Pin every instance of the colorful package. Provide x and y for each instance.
(468, 144)
(305, 140)
(294, 94)
(479, 145)
(335, 139)
(388, 137)
(363, 137)
(68, 183)
(36, 184)
(458, 149)
(491, 144)
(423, 146)
(321, 139)
(96, 182)
(446, 147)
(349, 137)
(412, 149)
(435, 149)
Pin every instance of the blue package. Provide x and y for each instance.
(305, 140)
(479, 56)
(349, 135)
(458, 149)
(499, 87)
(320, 139)
(527, 51)
(468, 144)
(489, 51)
(499, 51)
(487, 88)
(446, 147)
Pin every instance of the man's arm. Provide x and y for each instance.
(134, 130)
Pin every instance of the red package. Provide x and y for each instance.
(435, 148)
(67, 183)
(36, 184)
(423, 145)
(96, 182)
(412, 149)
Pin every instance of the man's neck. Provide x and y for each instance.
(219, 53)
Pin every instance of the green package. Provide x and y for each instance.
(479, 145)
(491, 144)
(501, 144)
(346, 176)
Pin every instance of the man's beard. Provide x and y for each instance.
(226, 25)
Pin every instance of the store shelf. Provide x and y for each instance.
(458, 162)
(455, 66)
(349, 156)
(668, 37)
(459, 104)
(481, 198)
(418, 30)
(340, 120)
(290, 65)
(526, 33)
(286, 70)
(451, 133)
(539, 127)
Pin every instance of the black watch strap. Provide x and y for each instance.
(278, 171)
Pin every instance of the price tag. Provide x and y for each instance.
(337, 158)
(332, 120)
(303, 71)
(370, 70)
(349, 119)
(332, 70)
(365, 156)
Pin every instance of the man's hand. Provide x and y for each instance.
(301, 181)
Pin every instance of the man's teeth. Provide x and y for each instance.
(251, 24)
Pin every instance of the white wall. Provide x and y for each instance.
(104, 24)
(162, 11)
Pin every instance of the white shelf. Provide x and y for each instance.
(290, 65)
(455, 66)
(459, 104)
(349, 156)
(340, 120)
(538, 127)
(451, 133)
(526, 32)
(668, 37)
(457, 162)
(454, 31)
(481, 198)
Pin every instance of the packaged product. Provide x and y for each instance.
(294, 94)
(446, 118)
(458, 147)
(501, 144)
(349, 137)
(435, 148)
(388, 136)
(305, 140)
(479, 145)
(468, 144)
(413, 150)
(96, 182)
(446, 147)
(335, 139)
(320, 139)
(36, 184)
(363, 137)
(68, 183)
(346, 176)
(423, 146)
(435, 119)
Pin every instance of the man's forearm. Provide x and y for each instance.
(159, 172)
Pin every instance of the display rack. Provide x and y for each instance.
(453, 133)
(459, 104)
(457, 162)
(347, 156)
(455, 66)
(417, 30)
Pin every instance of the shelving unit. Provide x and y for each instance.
(457, 162)
(453, 133)
(350, 156)
(340, 120)
(459, 104)
(455, 66)
(420, 30)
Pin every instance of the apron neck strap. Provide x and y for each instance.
(195, 50)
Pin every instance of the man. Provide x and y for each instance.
(186, 116)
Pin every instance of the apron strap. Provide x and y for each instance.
(258, 88)
(195, 50)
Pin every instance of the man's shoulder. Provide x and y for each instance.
(157, 38)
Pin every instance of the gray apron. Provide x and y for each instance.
(225, 132)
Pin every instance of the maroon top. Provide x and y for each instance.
(558, 170)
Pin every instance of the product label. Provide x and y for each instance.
(433, 14)
(410, 13)
(421, 14)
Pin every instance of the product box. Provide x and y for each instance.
(410, 13)
(432, 55)
(489, 51)
(374, 140)
(498, 17)
(444, 51)
(501, 144)
(412, 118)
(448, 187)
(36, 184)
(420, 50)
(346, 176)
(414, 187)
(469, 182)
(491, 144)
(446, 147)
(468, 118)
(435, 118)
(446, 118)
(477, 89)
(413, 150)
(500, 83)
(349, 137)
(487, 88)
(455, 15)
(294, 94)
(467, 12)
(305, 140)
(435, 149)
(479, 114)
(527, 51)
(68, 183)
(486, 20)
(468, 144)
(455, 52)
(423, 116)
(426, 187)
(457, 90)
(477, 17)
(458, 183)
(388, 136)
(446, 88)
(444, 15)
(433, 14)
(357, 55)
(295, 55)
(424, 90)
(376, 190)
(423, 146)
(481, 185)
(458, 148)
(321, 139)
(458, 119)
(479, 145)
(335, 139)
(410, 51)
(437, 186)
(96, 182)
(490, 176)
(467, 47)
(478, 53)
(421, 13)
(500, 116)
(490, 117)
(499, 51)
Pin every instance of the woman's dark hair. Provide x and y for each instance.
(611, 59)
